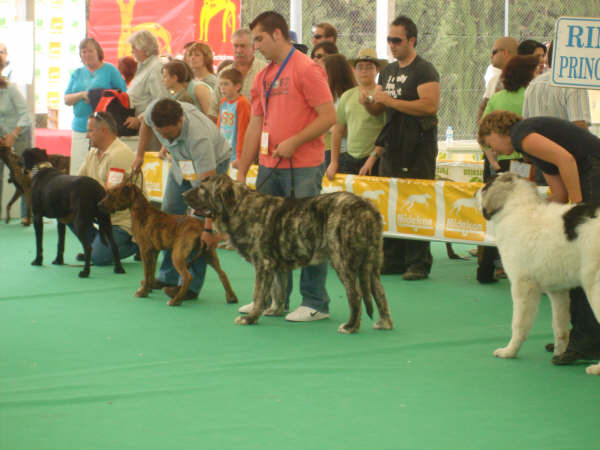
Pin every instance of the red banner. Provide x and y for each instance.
(173, 23)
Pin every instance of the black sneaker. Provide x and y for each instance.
(573, 356)
(413, 275)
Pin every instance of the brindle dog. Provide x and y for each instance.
(155, 230)
(22, 180)
(279, 234)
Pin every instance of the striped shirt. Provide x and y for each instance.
(543, 99)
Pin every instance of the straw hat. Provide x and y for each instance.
(370, 55)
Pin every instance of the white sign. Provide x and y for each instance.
(576, 53)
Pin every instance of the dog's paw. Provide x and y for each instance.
(141, 292)
(245, 320)
(504, 352)
(84, 274)
(119, 269)
(174, 302)
(384, 324)
(594, 369)
(58, 261)
(36, 262)
(232, 299)
(344, 329)
(273, 311)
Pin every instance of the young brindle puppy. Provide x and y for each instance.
(68, 199)
(279, 234)
(155, 230)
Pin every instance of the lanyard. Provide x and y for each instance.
(268, 92)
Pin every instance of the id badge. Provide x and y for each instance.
(264, 143)
(187, 168)
(114, 177)
(520, 168)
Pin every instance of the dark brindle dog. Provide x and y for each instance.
(69, 199)
(22, 180)
(155, 230)
(279, 234)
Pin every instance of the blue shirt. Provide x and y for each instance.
(199, 141)
(106, 77)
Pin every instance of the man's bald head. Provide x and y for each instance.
(503, 49)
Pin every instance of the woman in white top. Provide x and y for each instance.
(146, 85)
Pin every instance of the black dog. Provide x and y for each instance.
(69, 199)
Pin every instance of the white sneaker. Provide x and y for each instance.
(305, 314)
(246, 308)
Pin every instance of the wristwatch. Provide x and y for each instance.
(370, 99)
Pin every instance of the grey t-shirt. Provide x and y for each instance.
(199, 141)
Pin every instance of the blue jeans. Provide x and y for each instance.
(172, 203)
(102, 254)
(307, 183)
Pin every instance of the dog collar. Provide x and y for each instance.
(40, 166)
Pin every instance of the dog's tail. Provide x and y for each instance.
(364, 279)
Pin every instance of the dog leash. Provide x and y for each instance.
(292, 190)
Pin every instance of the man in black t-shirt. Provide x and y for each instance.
(409, 94)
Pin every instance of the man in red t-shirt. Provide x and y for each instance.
(292, 108)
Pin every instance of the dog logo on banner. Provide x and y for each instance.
(463, 220)
(161, 34)
(153, 175)
(377, 190)
(210, 10)
(416, 207)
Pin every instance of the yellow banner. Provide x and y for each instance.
(434, 210)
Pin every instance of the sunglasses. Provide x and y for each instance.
(496, 50)
(318, 36)
(99, 115)
(394, 40)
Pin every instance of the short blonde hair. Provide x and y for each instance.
(496, 122)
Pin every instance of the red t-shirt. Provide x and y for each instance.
(301, 86)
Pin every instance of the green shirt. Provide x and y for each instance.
(507, 101)
(363, 128)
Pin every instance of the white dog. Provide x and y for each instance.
(545, 247)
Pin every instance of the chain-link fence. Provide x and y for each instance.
(456, 36)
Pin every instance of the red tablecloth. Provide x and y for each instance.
(53, 141)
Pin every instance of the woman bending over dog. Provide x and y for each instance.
(569, 158)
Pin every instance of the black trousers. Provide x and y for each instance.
(400, 255)
(585, 334)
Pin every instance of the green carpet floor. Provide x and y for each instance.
(85, 365)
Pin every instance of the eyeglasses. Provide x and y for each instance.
(319, 56)
(318, 36)
(496, 50)
(394, 40)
